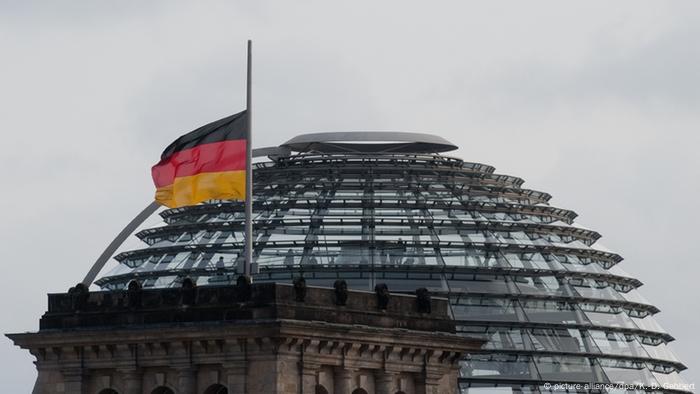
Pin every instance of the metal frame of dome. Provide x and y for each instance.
(369, 142)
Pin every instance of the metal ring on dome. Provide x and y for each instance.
(369, 142)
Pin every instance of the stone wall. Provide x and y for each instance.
(276, 339)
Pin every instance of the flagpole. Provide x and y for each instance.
(248, 256)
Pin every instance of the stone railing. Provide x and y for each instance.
(244, 301)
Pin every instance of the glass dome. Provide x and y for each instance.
(551, 302)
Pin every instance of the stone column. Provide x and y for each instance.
(309, 378)
(385, 383)
(133, 381)
(428, 385)
(42, 379)
(235, 377)
(73, 380)
(426, 388)
(343, 381)
(187, 379)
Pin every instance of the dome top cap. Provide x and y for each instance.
(369, 142)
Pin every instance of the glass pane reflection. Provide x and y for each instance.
(565, 369)
(483, 366)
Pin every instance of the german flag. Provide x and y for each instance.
(205, 164)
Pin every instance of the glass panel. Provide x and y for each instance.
(550, 311)
(558, 340)
(401, 253)
(497, 366)
(586, 268)
(347, 255)
(282, 236)
(539, 285)
(470, 257)
(634, 296)
(648, 323)
(610, 318)
(335, 255)
(420, 256)
(466, 389)
(617, 343)
(661, 352)
(533, 261)
(564, 368)
(476, 283)
(274, 256)
(119, 269)
(444, 236)
(484, 308)
(590, 288)
(616, 270)
(505, 338)
(628, 372)
(491, 388)
(221, 237)
(163, 281)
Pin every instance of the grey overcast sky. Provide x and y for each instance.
(595, 102)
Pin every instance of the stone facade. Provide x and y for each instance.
(267, 338)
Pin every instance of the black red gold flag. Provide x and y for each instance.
(205, 164)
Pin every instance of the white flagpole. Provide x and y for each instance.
(248, 256)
